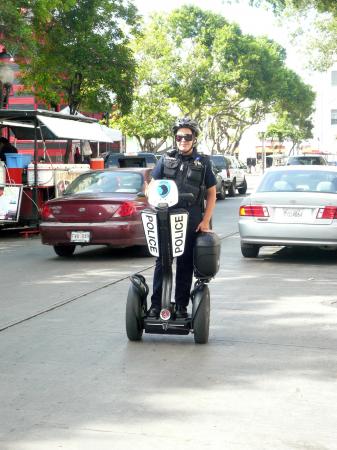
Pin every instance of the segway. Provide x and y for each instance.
(165, 231)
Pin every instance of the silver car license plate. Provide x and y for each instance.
(293, 212)
(80, 236)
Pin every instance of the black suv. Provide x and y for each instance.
(141, 159)
(310, 160)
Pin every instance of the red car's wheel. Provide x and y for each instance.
(64, 250)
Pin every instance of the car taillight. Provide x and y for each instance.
(47, 213)
(125, 209)
(254, 211)
(228, 173)
(328, 212)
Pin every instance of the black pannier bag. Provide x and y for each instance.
(206, 255)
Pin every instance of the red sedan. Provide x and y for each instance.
(98, 207)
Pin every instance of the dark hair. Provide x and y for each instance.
(186, 122)
(4, 140)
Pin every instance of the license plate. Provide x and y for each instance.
(80, 236)
(293, 212)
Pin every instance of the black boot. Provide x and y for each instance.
(153, 312)
(181, 312)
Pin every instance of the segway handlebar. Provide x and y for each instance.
(164, 193)
(186, 196)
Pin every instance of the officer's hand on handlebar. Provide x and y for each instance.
(204, 225)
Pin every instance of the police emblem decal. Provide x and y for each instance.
(163, 189)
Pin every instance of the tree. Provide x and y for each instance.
(73, 50)
(149, 122)
(224, 127)
(278, 6)
(284, 129)
(149, 119)
(242, 77)
(319, 27)
(195, 62)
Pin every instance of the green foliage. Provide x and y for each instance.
(191, 22)
(317, 35)
(76, 50)
(194, 62)
(279, 6)
(149, 119)
(251, 66)
(22, 20)
(322, 43)
(285, 129)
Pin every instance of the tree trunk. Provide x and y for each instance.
(142, 146)
(158, 145)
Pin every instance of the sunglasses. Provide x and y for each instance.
(186, 137)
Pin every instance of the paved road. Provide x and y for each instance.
(71, 380)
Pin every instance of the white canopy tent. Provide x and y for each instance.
(113, 134)
(73, 129)
(57, 126)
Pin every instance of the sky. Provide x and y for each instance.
(256, 21)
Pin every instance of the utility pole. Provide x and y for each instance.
(262, 135)
(263, 153)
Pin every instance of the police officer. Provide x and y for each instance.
(193, 174)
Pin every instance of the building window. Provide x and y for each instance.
(334, 78)
(334, 117)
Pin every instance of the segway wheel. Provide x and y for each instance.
(133, 317)
(201, 319)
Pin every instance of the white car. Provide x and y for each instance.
(292, 206)
(232, 172)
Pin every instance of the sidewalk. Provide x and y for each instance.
(253, 179)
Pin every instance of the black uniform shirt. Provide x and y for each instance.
(210, 179)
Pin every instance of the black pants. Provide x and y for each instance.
(184, 268)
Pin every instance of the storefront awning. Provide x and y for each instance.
(56, 126)
(115, 135)
(71, 129)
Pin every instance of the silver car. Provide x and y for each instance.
(292, 206)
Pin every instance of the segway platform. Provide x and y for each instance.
(175, 326)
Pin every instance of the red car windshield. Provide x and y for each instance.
(106, 182)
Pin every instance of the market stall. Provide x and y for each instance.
(29, 179)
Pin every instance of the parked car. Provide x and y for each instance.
(140, 159)
(306, 160)
(292, 206)
(220, 184)
(98, 207)
(243, 165)
(232, 172)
